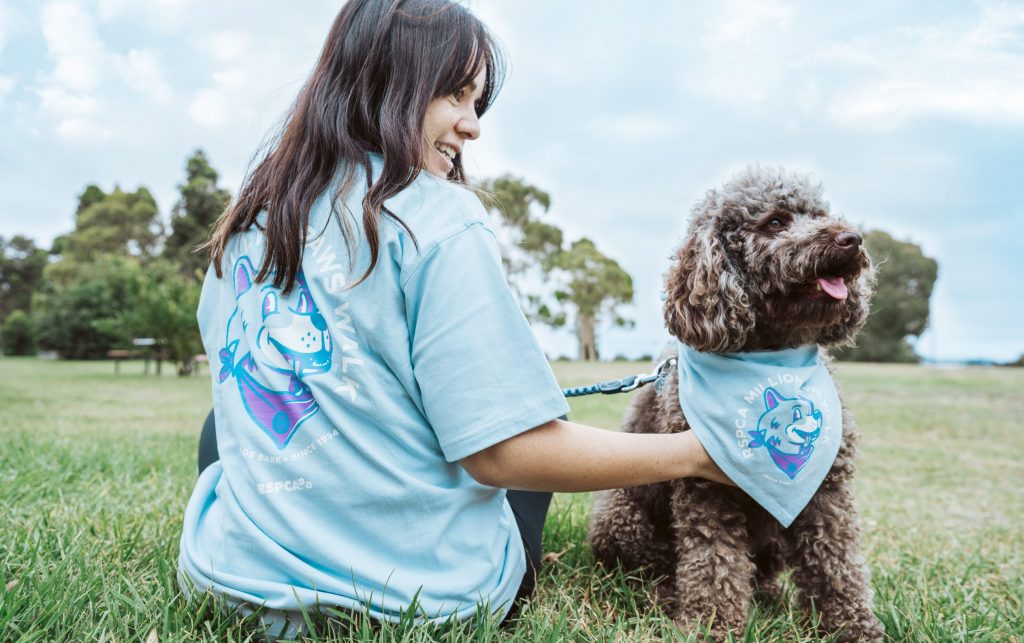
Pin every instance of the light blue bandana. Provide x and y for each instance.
(771, 420)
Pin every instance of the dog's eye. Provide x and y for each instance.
(269, 305)
(775, 223)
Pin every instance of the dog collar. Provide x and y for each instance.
(771, 420)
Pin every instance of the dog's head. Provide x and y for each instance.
(765, 265)
(293, 337)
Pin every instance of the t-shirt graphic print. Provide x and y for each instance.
(293, 342)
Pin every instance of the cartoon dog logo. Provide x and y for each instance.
(292, 343)
(787, 429)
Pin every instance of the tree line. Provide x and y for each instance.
(122, 273)
(119, 274)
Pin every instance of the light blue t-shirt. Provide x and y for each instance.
(341, 415)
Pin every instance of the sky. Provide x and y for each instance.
(910, 112)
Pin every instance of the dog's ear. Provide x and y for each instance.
(706, 307)
(243, 274)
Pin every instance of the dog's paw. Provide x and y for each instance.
(866, 628)
(663, 594)
(708, 631)
(768, 591)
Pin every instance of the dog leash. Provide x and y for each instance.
(626, 384)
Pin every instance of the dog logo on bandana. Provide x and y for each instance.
(787, 429)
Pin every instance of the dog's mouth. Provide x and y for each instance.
(829, 288)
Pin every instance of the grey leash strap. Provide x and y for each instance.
(624, 385)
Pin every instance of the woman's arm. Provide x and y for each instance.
(564, 456)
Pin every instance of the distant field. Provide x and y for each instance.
(95, 470)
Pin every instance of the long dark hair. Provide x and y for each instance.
(382, 64)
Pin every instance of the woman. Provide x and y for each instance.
(376, 387)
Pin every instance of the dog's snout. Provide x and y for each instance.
(848, 239)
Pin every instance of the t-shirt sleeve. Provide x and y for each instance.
(481, 374)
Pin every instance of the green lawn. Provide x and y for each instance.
(95, 470)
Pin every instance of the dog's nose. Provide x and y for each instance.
(848, 239)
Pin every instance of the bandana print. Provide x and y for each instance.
(771, 420)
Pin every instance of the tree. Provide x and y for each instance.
(16, 338)
(593, 285)
(528, 245)
(596, 286)
(91, 195)
(114, 300)
(21, 269)
(900, 307)
(161, 304)
(121, 223)
(68, 313)
(194, 215)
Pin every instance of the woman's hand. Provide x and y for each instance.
(564, 456)
(704, 466)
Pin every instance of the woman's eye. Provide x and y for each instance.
(458, 94)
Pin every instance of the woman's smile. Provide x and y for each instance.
(448, 123)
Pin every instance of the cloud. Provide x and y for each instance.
(741, 21)
(167, 15)
(634, 128)
(83, 130)
(775, 57)
(76, 113)
(74, 46)
(61, 101)
(74, 91)
(112, 8)
(890, 104)
(225, 46)
(232, 82)
(141, 72)
(5, 21)
(974, 74)
(6, 85)
(743, 51)
(209, 108)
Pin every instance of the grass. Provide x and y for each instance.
(95, 470)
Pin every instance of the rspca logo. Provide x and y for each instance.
(787, 428)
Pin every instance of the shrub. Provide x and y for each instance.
(17, 336)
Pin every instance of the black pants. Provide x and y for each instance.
(529, 507)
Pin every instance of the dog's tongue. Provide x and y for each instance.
(835, 287)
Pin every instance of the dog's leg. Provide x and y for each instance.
(623, 532)
(769, 562)
(828, 567)
(715, 571)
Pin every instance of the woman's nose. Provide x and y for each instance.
(469, 125)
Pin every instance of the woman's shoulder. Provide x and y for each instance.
(442, 200)
(434, 209)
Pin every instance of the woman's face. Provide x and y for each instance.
(450, 121)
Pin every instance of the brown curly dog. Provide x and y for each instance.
(747, 278)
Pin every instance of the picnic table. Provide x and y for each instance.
(119, 354)
(148, 349)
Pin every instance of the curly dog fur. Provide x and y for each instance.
(745, 280)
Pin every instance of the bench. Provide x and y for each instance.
(119, 354)
(148, 349)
